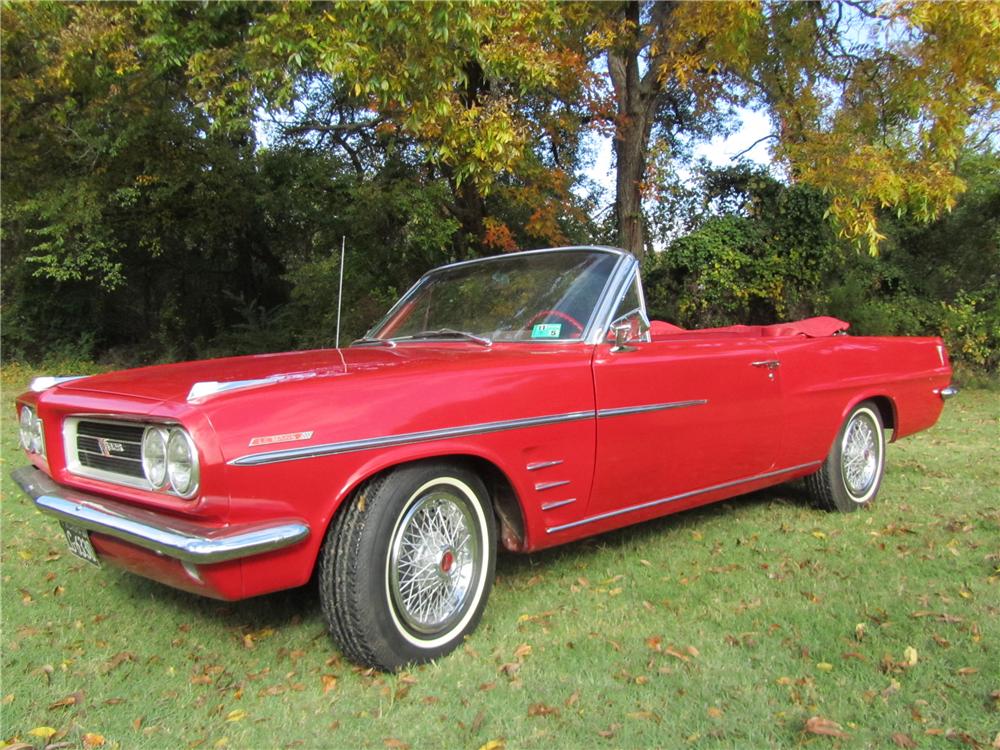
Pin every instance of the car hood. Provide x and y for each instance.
(174, 382)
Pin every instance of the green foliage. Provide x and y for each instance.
(937, 279)
(765, 257)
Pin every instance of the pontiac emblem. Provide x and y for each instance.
(109, 447)
(288, 437)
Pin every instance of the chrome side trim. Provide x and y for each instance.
(946, 392)
(557, 504)
(542, 486)
(542, 464)
(649, 407)
(675, 498)
(390, 441)
(174, 537)
(328, 449)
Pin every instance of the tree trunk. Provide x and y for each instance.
(636, 97)
(631, 141)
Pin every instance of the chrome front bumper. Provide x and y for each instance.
(177, 538)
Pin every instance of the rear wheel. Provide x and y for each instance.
(407, 567)
(852, 473)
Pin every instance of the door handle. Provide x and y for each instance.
(770, 364)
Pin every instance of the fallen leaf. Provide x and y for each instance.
(646, 715)
(824, 666)
(903, 740)
(573, 699)
(392, 742)
(714, 712)
(493, 745)
(487, 686)
(964, 671)
(116, 661)
(540, 709)
(825, 727)
(329, 683)
(655, 643)
(73, 699)
(610, 731)
(511, 668)
(19, 746)
(910, 654)
(671, 651)
(92, 739)
(819, 535)
(477, 723)
(43, 732)
(522, 651)
(238, 715)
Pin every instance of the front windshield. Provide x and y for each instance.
(524, 297)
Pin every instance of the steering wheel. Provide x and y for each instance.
(554, 314)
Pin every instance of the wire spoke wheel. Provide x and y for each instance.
(850, 476)
(860, 455)
(434, 561)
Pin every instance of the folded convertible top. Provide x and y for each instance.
(808, 327)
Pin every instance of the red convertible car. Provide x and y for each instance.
(522, 400)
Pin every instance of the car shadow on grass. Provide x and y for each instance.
(512, 567)
(301, 605)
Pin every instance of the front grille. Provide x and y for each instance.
(106, 450)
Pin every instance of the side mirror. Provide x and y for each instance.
(628, 329)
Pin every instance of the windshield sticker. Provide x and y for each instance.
(546, 331)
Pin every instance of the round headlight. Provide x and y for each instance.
(26, 424)
(154, 456)
(182, 463)
(37, 436)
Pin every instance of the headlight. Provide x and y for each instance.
(31, 432)
(154, 456)
(182, 463)
(26, 423)
(37, 437)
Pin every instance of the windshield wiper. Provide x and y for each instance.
(373, 341)
(445, 333)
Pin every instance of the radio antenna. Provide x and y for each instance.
(340, 288)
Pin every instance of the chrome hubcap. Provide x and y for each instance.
(860, 455)
(434, 561)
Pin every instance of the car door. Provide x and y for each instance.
(680, 415)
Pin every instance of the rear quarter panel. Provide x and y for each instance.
(822, 379)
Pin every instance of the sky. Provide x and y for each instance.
(719, 151)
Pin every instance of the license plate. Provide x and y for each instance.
(79, 544)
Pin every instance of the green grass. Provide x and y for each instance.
(726, 627)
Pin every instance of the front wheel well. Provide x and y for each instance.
(502, 494)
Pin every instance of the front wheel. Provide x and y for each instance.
(407, 567)
(850, 477)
